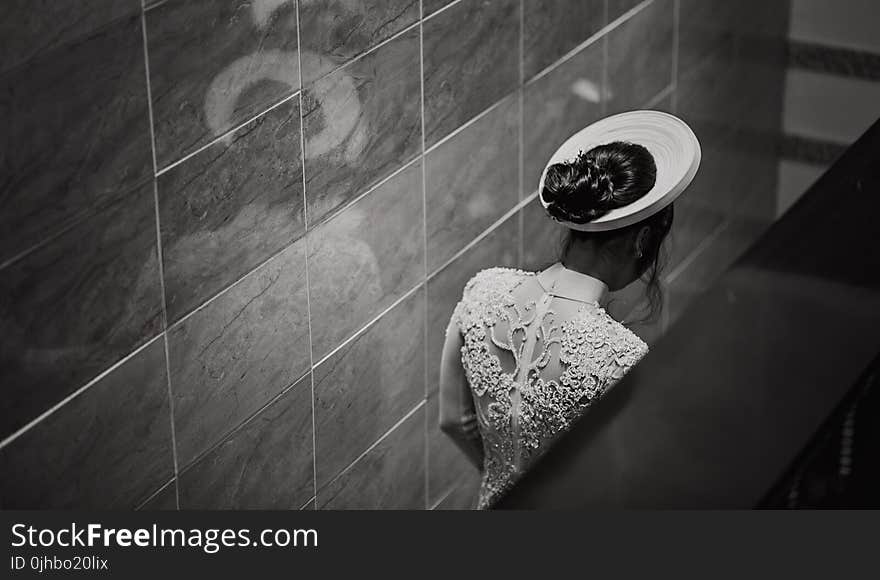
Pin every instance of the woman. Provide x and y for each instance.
(527, 353)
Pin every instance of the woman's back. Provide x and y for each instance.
(537, 350)
(526, 354)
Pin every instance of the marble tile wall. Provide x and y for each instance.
(232, 233)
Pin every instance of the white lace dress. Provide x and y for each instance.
(537, 350)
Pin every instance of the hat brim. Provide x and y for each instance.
(670, 141)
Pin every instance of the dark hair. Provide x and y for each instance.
(597, 181)
(600, 180)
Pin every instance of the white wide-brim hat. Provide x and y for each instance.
(670, 141)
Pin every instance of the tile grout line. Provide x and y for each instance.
(160, 257)
(275, 254)
(443, 9)
(167, 354)
(225, 134)
(424, 241)
(302, 152)
(473, 120)
(408, 294)
(676, 41)
(153, 495)
(374, 48)
(149, 87)
(95, 210)
(520, 252)
(444, 497)
(36, 247)
(126, 16)
(241, 424)
(329, 216)
(655, 100)
(601, 33)
(208, 301)
(361, 55)
(604, 90)
(154, 4)
(51, 410)
(358, 57)
(498, 223)
(280, 251)
(100, 207)
(374, 444)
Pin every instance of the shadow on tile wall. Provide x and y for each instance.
(233, 232)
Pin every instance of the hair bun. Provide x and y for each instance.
(601, 185)
(579, 191)
(559, 182)
(598, 181)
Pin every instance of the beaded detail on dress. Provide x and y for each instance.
(520, 410)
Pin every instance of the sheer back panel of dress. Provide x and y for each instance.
(537, 351)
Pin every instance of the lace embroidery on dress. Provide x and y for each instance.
(518, 419)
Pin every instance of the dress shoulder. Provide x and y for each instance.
(486, 288)
(624, 335)
(597, 341)
(494, 279)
